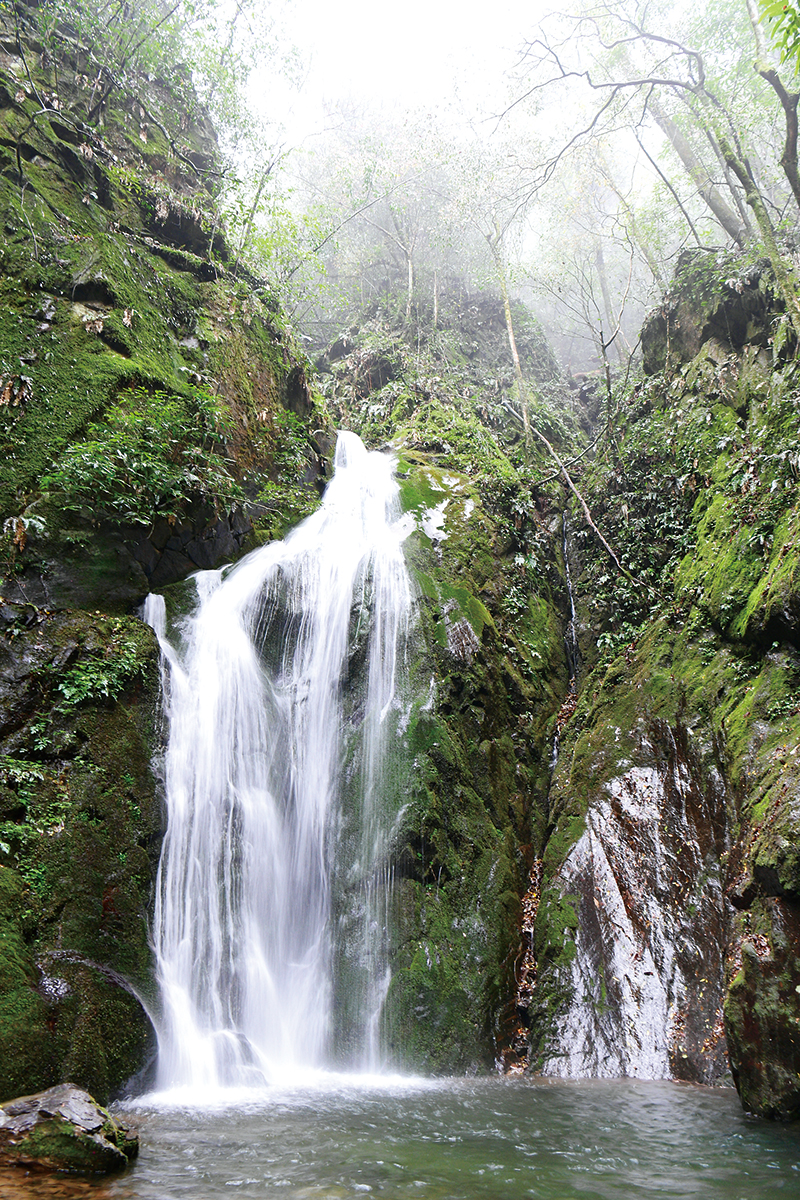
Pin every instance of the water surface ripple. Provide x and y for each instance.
(336, 1138)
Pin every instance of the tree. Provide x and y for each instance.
(641, 77)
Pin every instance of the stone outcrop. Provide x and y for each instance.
(730, 305)
(648, 973)
(64, 1130)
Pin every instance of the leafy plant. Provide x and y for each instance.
(287, 498)
(785, 28)
(153, 454)
(96, 678)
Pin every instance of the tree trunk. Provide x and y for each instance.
(727, 218)
(600, 266)
(531, 431)
(512, 341)
(756, 202)
(789, 102)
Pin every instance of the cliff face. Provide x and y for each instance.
(136, 362)
(627, 906)
(671, 872)
(490, 669)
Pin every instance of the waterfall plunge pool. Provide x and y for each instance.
(338, 1137)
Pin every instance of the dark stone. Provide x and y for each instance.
(58, 574)
(63, 1129)
(171, 566)
(700, 306)
(298, 397)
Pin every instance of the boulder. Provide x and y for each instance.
(64, 1129)
(703, 304)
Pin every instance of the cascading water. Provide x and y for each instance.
(284, 707)
(571, 632)
(571, 649)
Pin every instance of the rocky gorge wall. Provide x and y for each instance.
(667, 932)
(650, 864)
(625, 906)
(489, 671)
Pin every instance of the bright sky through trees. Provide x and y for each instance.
(442, 54)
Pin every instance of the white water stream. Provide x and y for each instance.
(284, 705)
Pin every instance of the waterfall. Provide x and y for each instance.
(571, 650)
(285, 708)
(571, 632)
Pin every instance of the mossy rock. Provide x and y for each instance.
(762, 1012)
(80, 841)
(64, 1130)
(26, 1053)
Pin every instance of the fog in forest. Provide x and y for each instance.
(575, 155)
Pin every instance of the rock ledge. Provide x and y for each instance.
(63, 1129)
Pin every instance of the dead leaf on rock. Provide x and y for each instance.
(14, 391)
(20, 538)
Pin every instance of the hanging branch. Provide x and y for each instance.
(251, 216)
(789, 102)
(587, 514)
(128, 53)
(675, 195)
(493, 241)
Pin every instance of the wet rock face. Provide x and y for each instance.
(648, 973)
(64, 1129)
(639, 875)
(79, 839)
(762, 1011)
(125, 563)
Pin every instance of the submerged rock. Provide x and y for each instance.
(64, 1129)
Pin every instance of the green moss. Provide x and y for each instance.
(58, 1145)
(777, 590)
(762, 1012)
(554, 950)
(26, 1059)
(723, 569)
(81, 834)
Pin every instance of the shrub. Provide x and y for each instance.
(153, 453)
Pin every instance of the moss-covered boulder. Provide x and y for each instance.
(80, 829)
(64, 1130)
(712, 297)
